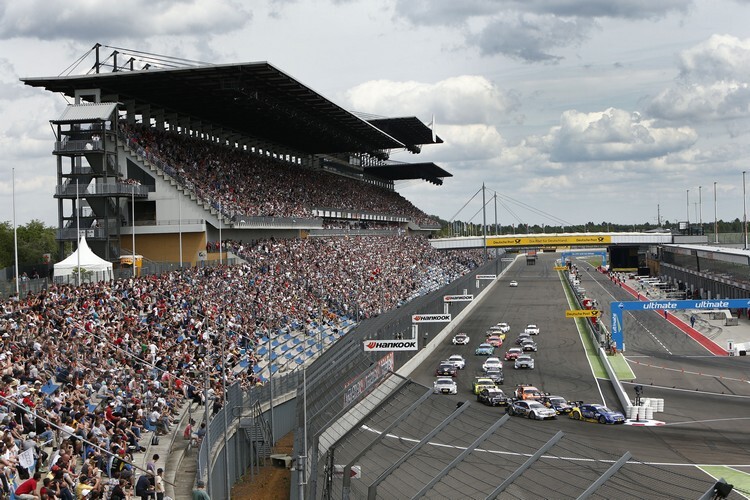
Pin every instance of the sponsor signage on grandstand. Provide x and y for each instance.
(390, 345)
(458, 298)
(525, 241)
(486, 276)
(431, 318)
(369, 379)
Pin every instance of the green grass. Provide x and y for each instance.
(589, 346)
(739, 479)
(621, 367)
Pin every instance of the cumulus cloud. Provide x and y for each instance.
(714, 82)
(459, 100)
(612, 135)
(531, 37)
(529, 30)
(90, 20)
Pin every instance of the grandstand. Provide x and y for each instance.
(167, 157)
(188, 163)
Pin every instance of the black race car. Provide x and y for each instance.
(446, 370)
(492, 397)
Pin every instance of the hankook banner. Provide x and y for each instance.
(458, 298)
(486, 276)
(431, 318)
(390, 345)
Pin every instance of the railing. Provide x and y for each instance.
(276, 222)
(78, 146)
(172, 222)
(71, 233)
(71, 188)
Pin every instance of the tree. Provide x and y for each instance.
(34, 240)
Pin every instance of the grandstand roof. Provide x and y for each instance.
(409, 130)
(252, 99)
(402, 171)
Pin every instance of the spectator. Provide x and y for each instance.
(199, 493)
(27, 489)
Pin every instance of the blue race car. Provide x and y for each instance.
(597, 413)
(484, 349)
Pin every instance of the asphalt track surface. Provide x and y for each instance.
(706, 415)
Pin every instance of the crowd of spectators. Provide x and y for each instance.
(88, 369)
(244, 184)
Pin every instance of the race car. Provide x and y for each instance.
(503, 327)
(521, 337)
(480, 383)
(492, 362)
(513, 353)
(446, 369)
(461, 339)
(532, 409)
(528, 345)
(531, 330)
(557, 403)
(458, 361)
(484, 349)
(596, 413)
(496, 374)
(494, 341)
(494, 331)
(528, 392)
(524, 361)
(513, 283)
(492, 397)
(444, 385)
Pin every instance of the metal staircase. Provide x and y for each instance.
(258, 434)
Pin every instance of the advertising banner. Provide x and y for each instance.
(431, 318)
(390, 345)
(458, 298)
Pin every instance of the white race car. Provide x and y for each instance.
(492, 362)
(458, 361)
(513, 283)
(461, 339)
(444, 385)
(524, 361)
(503, 327)
(531, 330)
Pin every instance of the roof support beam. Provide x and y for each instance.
(605, 477)
(347, 483)
(462, 455)
(528, 463)
(372, 490)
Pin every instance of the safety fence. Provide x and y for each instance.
(345, 374)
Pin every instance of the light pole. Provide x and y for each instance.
(716, 221)
(132, 222)
(179, 202)
(687, 210)
(78, 234)
(700, 208)
(744, 210)
(15, 236)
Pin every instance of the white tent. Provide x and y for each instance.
(93, 267)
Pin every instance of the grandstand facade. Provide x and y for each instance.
(166, 161)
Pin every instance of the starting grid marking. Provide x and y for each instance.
(682, 370)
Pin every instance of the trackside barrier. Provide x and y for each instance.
(418, 358)
(616, 385)
(349, 420)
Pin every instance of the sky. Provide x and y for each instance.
(567, 111)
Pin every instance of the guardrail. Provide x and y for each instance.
(594, 333)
